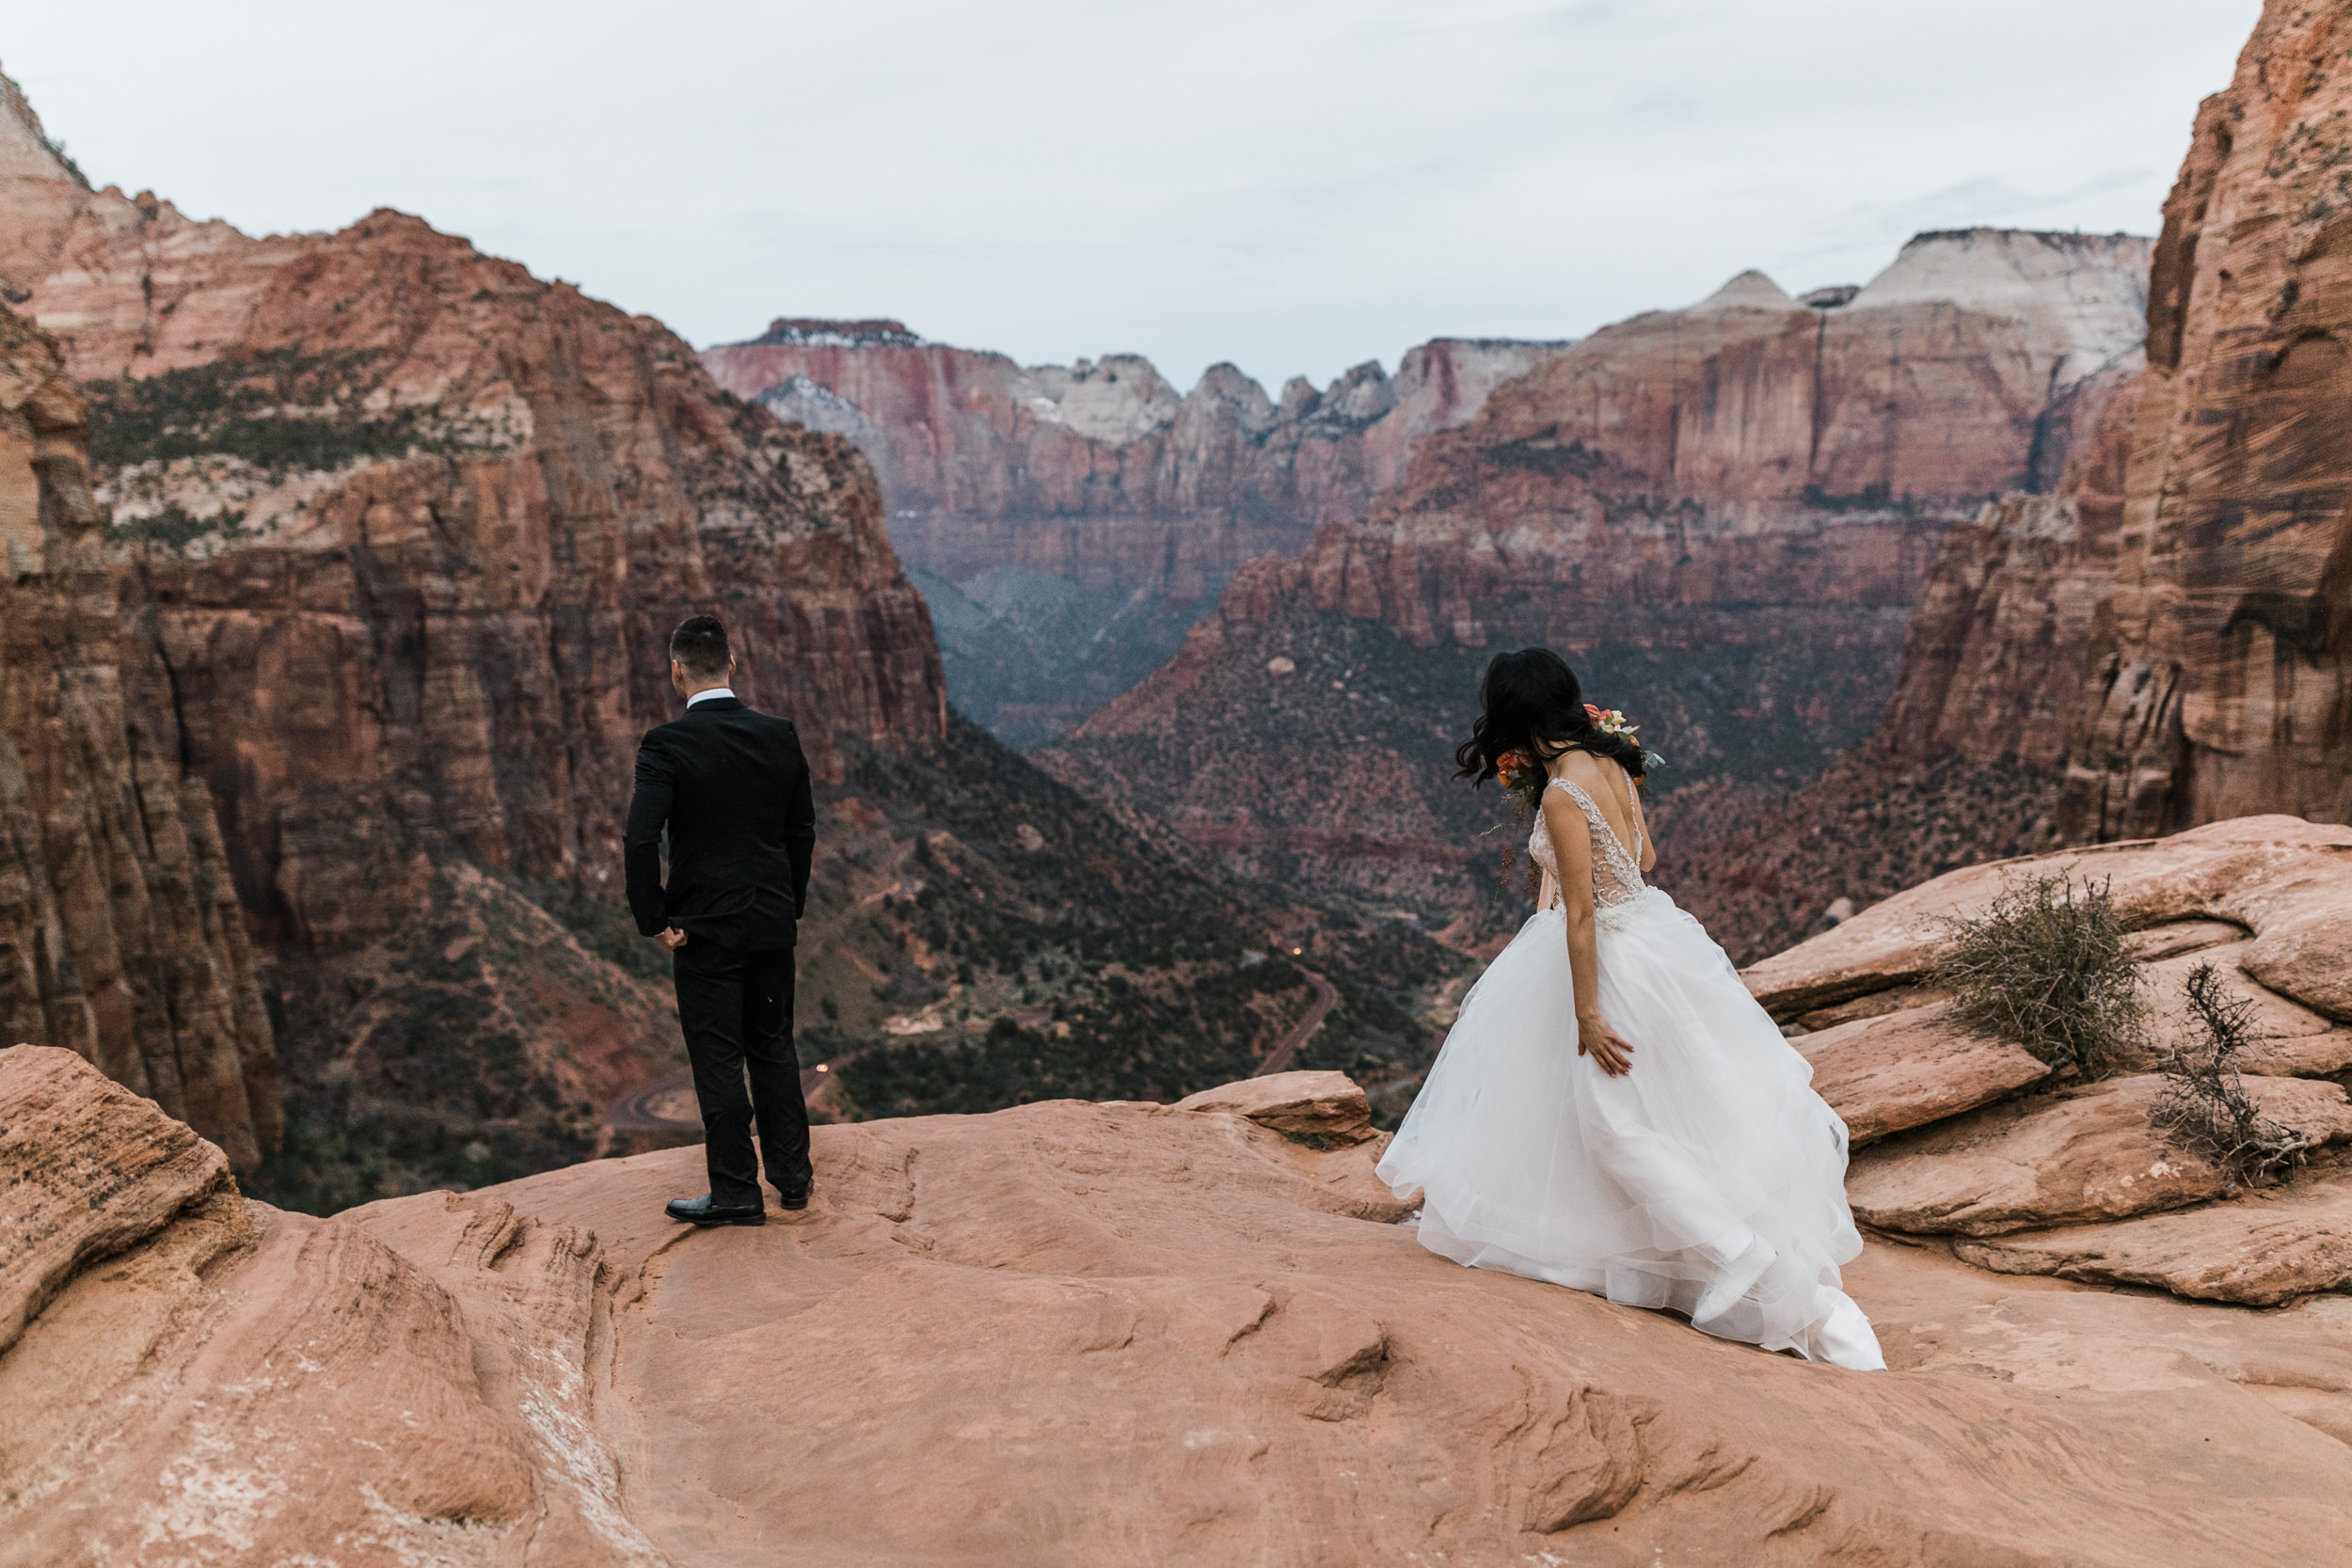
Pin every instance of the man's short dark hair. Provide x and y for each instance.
(700, 643)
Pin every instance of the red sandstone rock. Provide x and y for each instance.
(1107, 1332)
(1906, 1068)
(2001, 641)
(377, 658)
(1309, 1104)
(2087, 1154)
(2267, 874)
(1074, 521)
(2220, 689)
(225, 1382)
(1101, 472)
(121, 936)
(1747, 483)
(2267, 1246)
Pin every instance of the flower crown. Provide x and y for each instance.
(1524, 779)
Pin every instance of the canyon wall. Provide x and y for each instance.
(392, 534)
(1071, 523)
(414, 526)
(2222, 683)
(1723, 514)
(395, 534)
(121, 938)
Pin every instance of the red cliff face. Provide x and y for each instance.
(2001, 639)
(388, 536)
(121, 938)
(1051, 509)
(414, 526)
(1722, 514)
(2223, 684)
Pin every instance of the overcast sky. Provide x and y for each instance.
(1295, 185)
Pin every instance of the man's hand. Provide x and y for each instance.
(672, 939)
(1610, 1053)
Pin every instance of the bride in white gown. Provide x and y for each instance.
(1612, 1111)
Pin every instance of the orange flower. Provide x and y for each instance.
(1592, 712)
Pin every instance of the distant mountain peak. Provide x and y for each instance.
(819, 332)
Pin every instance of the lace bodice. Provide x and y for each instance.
(1616, 873)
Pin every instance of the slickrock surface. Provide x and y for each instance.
(2075, 1181)
(2089, 1153)
(226, 1382)
(2225, 684)
(2286, 880)
(1068, 523)
(121, 935)
(1911, 1067)
(1077, 1333)
(2265, 1248)
(1741, 497)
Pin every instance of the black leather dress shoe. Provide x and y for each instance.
(794, 1200)
(700, 1210)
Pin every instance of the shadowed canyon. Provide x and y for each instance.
(340, 570)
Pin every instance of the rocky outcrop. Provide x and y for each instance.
(121, 935)
(1722, 514)
(2045, 1175)
(1141, 1333)
(2001, 638)
(2223, 682)
(211, 1380)
(1070, 522)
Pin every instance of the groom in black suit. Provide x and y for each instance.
(731, 787)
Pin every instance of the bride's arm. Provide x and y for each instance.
(1572, 847)
(1641, 825)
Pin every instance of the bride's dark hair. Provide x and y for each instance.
(1530, 702)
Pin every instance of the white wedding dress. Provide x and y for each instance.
(1711, 1179)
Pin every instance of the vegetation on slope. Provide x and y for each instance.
(1048, 948)
(1315, 753)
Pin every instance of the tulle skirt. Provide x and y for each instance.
(1710, 1179)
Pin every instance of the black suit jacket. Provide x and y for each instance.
(731, 787)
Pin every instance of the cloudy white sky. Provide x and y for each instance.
(1295, 185)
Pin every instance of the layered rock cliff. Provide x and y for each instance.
(1069, 523)
(2223, 679)
(401, 530)
(416, 524)
(121, 935)
(1722, 514)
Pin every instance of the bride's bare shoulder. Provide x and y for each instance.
(1583, 769)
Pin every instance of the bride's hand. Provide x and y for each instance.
(1595, 1037)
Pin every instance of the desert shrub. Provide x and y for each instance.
(2204, 1102)
(2044, 965)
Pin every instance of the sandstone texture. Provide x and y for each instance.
(1970, 1137)
(2223, 682)
(1722, 514)
(1907, 1068)
(1073, 1333)
(120, 934)
(1069, 523)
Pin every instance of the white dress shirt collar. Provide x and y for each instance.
(705, 696)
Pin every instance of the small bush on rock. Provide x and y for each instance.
(2205, 1104)
(2045, 966)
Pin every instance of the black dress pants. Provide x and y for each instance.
(736, 1008)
